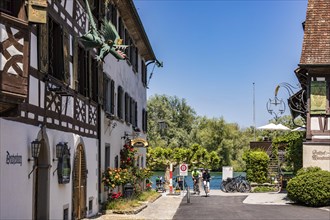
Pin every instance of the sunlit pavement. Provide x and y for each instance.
(221, 205)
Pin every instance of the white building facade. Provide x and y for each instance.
(52, 96)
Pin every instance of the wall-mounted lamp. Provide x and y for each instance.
(59, 150)
(35, 150)
(60, 147)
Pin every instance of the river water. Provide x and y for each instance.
(216, 178)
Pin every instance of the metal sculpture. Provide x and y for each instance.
(107, 39)
(296, 102)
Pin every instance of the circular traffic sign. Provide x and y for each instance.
(183, 167)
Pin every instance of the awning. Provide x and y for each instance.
(139, 142)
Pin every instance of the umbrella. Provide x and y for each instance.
(273, 126)
(270, 126)
(282, 127)
(299, 129)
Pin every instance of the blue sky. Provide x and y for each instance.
(213, 52)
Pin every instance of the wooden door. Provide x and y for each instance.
(79, 184)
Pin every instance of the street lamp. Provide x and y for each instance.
(35, 150)
(59, 150)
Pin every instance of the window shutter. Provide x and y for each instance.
(136, 59)
(99, 84)
(112, 97)
(43, 47)
(66, 56)
(75, 63)
(136, 115)
(104, 95)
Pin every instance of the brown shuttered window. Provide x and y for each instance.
(143, 73)
(120, 102)
(11, 7)
(106, 94)
(55, 50)
(94, 77)
(112, 97)
(83, 86)
(135, 114)
(127, 107)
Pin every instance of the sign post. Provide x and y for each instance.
(183, 169)
(183, 173)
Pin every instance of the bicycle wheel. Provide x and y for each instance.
(196, 189)
(242, 187)
(223, 186)
(206, 189)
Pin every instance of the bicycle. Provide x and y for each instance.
(239, 184)
(196, 187)
(206, 187)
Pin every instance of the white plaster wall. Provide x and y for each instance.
(123, 75)
(33, 51)
(316, 155)
(33, 91)
(16, 188)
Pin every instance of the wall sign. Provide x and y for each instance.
(13, 159)
(321, 155)
(64, 166)
(37, 11)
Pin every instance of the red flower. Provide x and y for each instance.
(116, 195)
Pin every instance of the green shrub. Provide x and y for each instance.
(256, 165)
(265, 189)
(311, 187)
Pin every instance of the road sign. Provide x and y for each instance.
(183, 169)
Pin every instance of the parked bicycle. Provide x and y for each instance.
(238, 184)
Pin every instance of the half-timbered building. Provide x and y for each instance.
(313, 73)
(65, 116)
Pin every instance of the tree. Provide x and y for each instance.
(195, 155)
(224, 142)
(176, 115)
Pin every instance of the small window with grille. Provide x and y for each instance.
(66, 212)
(90, 205)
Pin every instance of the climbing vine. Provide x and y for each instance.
(293, 155)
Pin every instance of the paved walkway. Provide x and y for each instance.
(166, 206)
